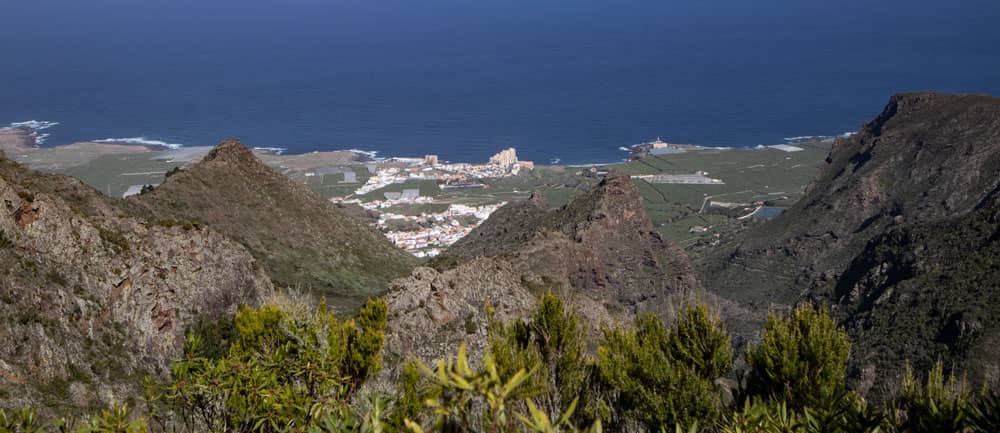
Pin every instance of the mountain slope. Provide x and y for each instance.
(926, 292)
(302, 240)
(599, 252)
(93, 296)
(899, 233)
(925, 158)
(602, 242)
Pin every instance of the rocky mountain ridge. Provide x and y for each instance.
(300, 239)
(599, 252)
(898, 233)
(95, 295)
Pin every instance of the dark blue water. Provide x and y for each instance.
(555, 78)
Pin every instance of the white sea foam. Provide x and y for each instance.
(34, 126)
(141, 141)
(371, 154)
(624, 149)
(848, 134)
(274, 150)
(802, 137)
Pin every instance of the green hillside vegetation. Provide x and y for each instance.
(300, 239)
(288, 367)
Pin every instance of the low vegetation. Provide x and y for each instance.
(289, 367)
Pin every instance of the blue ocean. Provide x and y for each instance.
(573, 80)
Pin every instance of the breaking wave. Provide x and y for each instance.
(35, 126)
(803, 137)
(274, 150)
(141, 141)
(371, 154)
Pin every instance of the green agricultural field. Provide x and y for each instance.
(113, 174)
(749, 176)
(333, 185)
(680, 212)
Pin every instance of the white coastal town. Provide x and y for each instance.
(426, 233)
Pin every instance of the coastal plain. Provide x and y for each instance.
(693, 197)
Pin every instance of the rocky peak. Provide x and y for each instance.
(232, 151)
(301, 239)
(599, 252)
(615, 204)
(601, 242)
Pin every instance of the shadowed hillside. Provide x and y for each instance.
(900, 229)
(302, 240)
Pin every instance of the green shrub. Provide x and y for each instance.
(216, 337)
(550, 342)
(664, 378)
(984, 416)
(939, 405)
(802, 359)
(413, 392)
(483, 400)
(288, 369)
(701, 342)
(364, 342)
(762, 416)
(116, 419)
(115, 239)
(23, 420)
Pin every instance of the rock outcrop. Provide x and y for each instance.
(925, 292)
(898, 232)
(925, 158)
(602, 243)
(94, 296)
(300, 239)
(599, 252)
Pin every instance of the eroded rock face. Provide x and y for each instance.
(899, 234)
(925, 158)
(601, 243)
(431, 313)
(94, 296)
(599, 253)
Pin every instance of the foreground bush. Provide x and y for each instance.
(483, 400)
(802, 359)
(550, 343)
(288, 369)
(663, 378)
(116, 419)
(938, 405)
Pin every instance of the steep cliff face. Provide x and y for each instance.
(926, 292)
(926, 157)
(899, 233)
(602, 243)
(599, 252)
(93, 296)
(301, 240)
